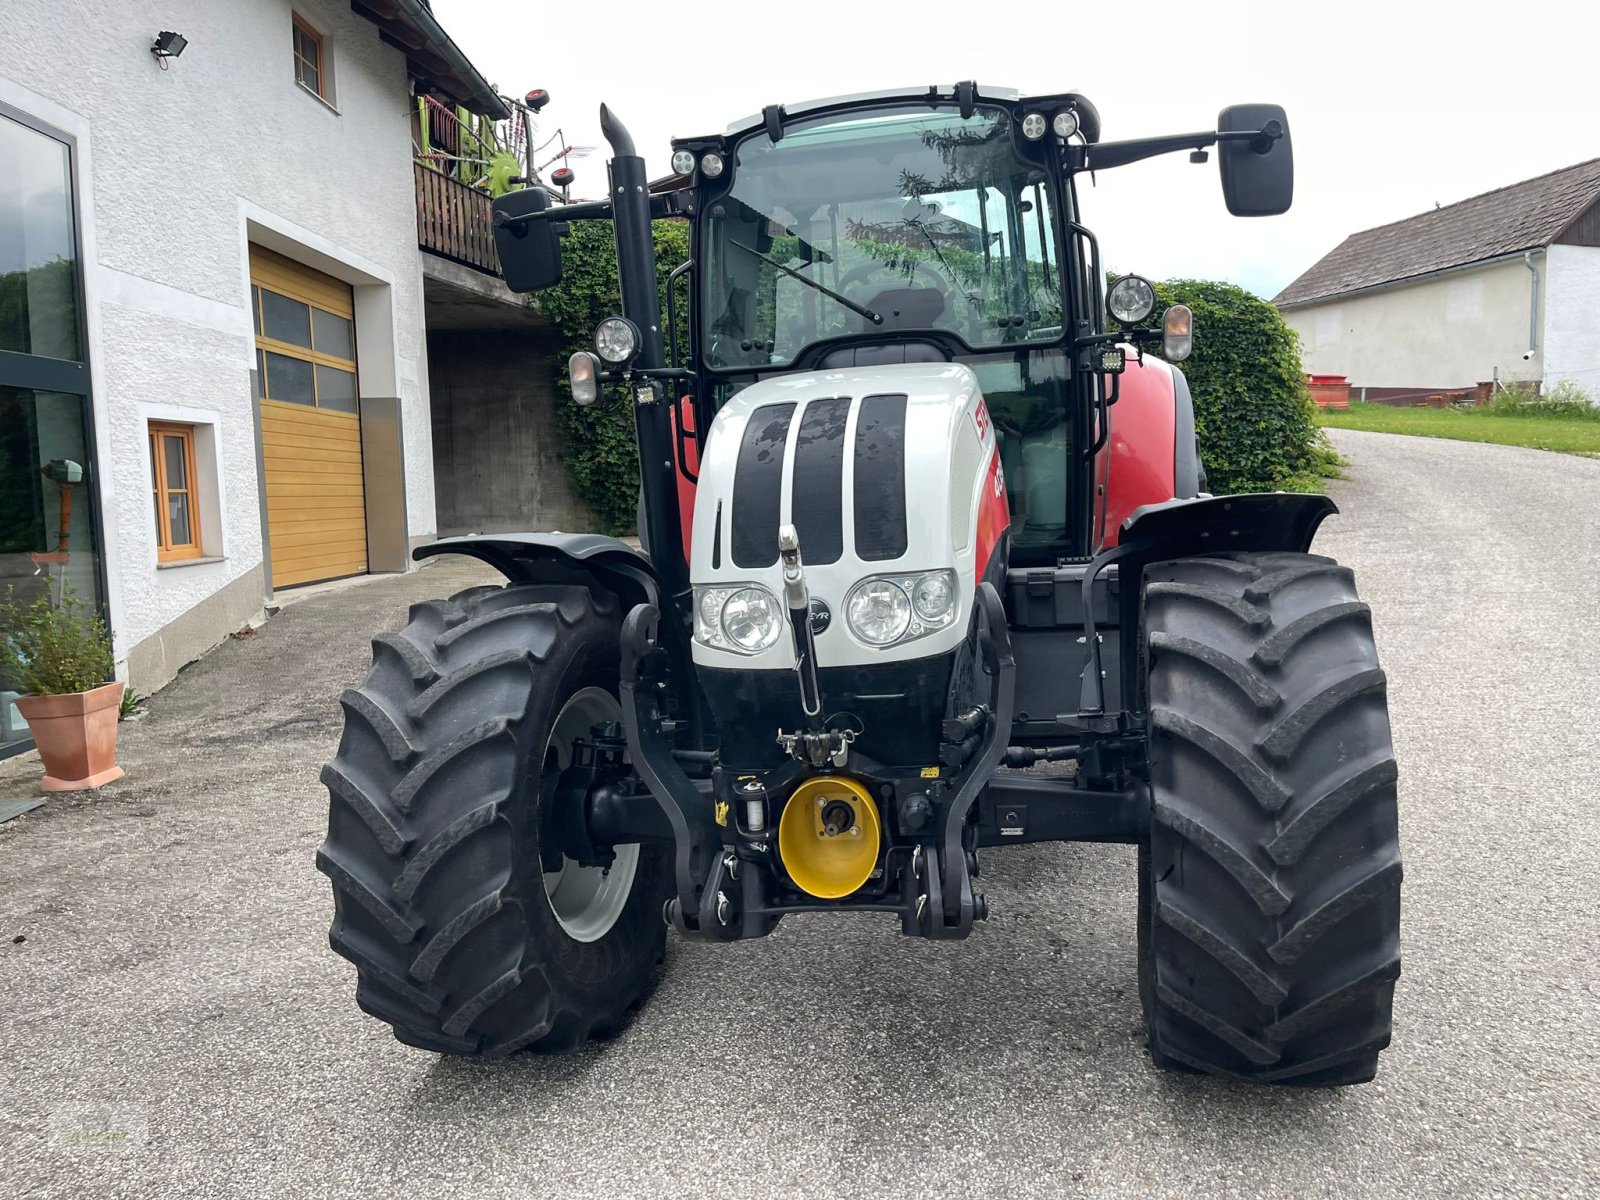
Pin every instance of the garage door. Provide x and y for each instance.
(310, 421)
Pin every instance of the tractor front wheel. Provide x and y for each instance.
(1270, 890)
(464, 939)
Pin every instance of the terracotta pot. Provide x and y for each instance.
(76, 736)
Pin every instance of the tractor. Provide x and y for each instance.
(928, 568)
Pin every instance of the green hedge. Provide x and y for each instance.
(1255, 418)
(598, 443)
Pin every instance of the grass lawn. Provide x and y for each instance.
(1573, 435)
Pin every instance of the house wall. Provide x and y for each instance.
(180, 169)
(1572, 326)
(496, 435)
(1452, 331)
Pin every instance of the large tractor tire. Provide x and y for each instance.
(1269, 921)
(461, 941)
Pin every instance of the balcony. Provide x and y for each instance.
(453, 221)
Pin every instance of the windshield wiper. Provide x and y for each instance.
(860, 309)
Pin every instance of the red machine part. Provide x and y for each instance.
(1136, 465)
(683, 414)
(994, 514)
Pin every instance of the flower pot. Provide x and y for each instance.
(76, 736)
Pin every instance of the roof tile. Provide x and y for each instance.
(1522, 216)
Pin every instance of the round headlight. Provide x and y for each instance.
(1065, 123)
(711, 165)
(934, 597)
(878, 612)
(1033, 126)
(751, 620)
(616, 339)
(682, 162)
(1131, 299)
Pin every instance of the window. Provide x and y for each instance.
(172, 478)
(309, 70)
(305, 335)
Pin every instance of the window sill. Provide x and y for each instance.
(322, 100)
(204, 561)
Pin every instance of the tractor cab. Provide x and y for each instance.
(902, 233)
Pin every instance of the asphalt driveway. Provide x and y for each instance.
(165, 983)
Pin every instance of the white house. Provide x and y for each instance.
(1503, 286)
(215, 303)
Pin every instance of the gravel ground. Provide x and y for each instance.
(166, 983)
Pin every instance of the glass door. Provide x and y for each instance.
(49, 529)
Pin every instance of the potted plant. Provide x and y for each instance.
(60, 654)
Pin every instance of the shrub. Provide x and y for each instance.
(50, 650)
(1254, 416)
(1566, 400)
(599, 449)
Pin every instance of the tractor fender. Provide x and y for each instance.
(1210, 524)
(530, 557)
(1151, 454)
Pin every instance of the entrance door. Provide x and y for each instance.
(310, 421)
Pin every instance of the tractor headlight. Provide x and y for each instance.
(887, 609)
(878, 612)
(1131, 299)
(616, 339)
(744, 618)
(934, 597)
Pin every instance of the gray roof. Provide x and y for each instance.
(432, 57)
(1524, 216)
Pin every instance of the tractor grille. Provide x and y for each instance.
(878, 501)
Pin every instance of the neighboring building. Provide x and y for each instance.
(215, 305)
(1504, 286)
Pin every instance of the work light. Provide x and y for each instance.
(1033, 126)
(1065, 123)
(682, 162)
(1131, 299)
(616, 339)
(711, 165)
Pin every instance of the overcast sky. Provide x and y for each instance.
(1393, 107)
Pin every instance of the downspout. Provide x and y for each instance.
(1533, 304)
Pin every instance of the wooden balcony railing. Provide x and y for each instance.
(453, 221)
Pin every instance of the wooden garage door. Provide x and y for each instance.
(310, 421)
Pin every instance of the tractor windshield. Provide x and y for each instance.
(903, 219)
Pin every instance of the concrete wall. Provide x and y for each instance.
(1572, 326)
(1448, 332)
(495, 435)
(179, 170)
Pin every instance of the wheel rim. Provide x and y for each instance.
(587, 901)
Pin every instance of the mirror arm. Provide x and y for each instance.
(1104, 155)
(597, 210)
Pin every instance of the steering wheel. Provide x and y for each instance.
(938, 282)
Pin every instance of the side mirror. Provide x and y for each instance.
(1257, 173)
(530, 253)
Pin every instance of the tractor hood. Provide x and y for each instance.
(886, 471)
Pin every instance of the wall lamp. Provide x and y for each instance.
(167, 45)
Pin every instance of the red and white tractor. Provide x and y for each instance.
(928, 569)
